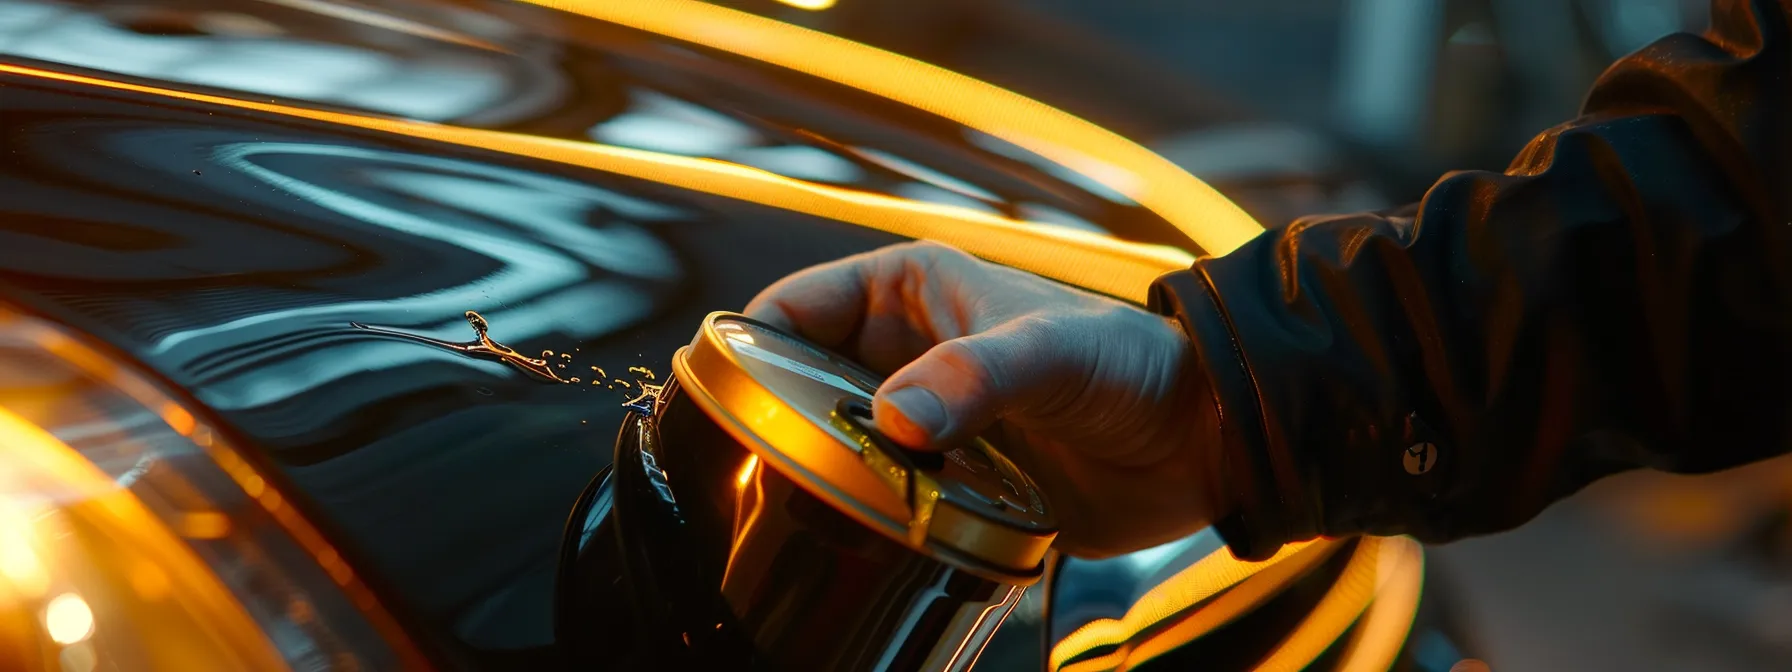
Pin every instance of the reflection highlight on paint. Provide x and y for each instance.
(1206, 216)
(1094, 262)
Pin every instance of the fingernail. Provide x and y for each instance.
(921, 410)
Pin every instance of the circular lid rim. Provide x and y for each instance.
(707, 361)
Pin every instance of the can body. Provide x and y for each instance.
(724, 562)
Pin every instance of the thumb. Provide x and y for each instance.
(960, 387)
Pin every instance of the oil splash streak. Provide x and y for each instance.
(647, 402)
(642, 370)
(483, 347)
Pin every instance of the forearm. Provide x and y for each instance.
(1621, 297)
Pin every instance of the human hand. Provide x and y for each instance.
(1097, 400)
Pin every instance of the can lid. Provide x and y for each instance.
(807, 413)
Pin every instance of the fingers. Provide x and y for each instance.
(824, 303)
(882, 308)
(962, 386)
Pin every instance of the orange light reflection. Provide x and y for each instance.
(1207, 217)
(1189, 587)
(1100, 263)
(1385, 627)
(746, 511)
(45, 475)
(73, 478)
(1343, 603)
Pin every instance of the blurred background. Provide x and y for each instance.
(1290, 107)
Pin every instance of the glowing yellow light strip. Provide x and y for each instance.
(811, 5)
(1212, 221)
(1200, 581)
(1236, 601)
(1389, 620)
(1100, 263)
(1343, 604)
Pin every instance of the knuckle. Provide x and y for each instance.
(973, 358)
(933, 252)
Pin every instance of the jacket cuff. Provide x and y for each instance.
(1255, 525)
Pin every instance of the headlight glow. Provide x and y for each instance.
(134, 537)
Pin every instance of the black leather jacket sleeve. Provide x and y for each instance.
(1619, 298)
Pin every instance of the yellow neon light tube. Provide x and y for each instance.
(1378, 561)
(1207, 217)
(1385, 627)
(1198, 582)
(1099, 263)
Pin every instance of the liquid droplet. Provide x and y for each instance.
(565, 356)
(575, 380)
(547, 353)
(623, 383)
(647, 402)
(561, 365)
(642, 370)
(600, 371)
(483, 346)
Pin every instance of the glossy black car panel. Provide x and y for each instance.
(231, 254)
(230, 251)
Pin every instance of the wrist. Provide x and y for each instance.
(1195, 410)
(1250, 509)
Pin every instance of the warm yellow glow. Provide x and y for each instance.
(1096, 262)
(1378, 639)
(46, 475)
(746, 471)
(19, 562)
(1234, 603)
(68, 619)
(811, 5)
(1385, 572)
(178, 419)
(198, 616)
(1207, 217)
(1177, 594)
(1343, 603)
(203, 525)
(749, 502)
(150, 582)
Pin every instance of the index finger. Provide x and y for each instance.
(823, 304)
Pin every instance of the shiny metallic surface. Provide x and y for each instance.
(805, 412)
(696, 554)
(531, 70)
(232, 252)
